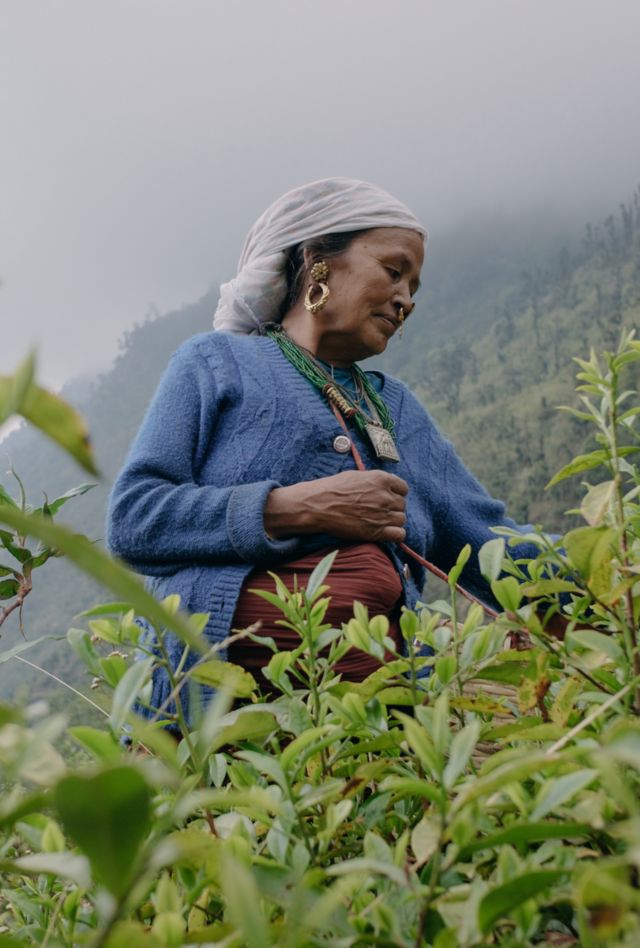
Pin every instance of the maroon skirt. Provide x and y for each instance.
(362, 572)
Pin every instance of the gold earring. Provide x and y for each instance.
(401, 321)
(320, 273)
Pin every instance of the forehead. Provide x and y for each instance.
(392, 240)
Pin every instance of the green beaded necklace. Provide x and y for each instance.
(379, 429)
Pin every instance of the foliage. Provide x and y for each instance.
(472, 333)
(493, 801)
(20, 395)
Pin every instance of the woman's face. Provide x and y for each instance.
(370, 282)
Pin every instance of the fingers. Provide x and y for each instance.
(393, 534)
(395, 483)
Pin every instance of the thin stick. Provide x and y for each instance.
(590, 718)
(61, 682)
(403, 546)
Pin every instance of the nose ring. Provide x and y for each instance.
(401, 321)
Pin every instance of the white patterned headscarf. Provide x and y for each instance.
(329, 206)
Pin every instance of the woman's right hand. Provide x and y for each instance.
(353, 505)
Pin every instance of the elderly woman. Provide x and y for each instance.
(251, 455)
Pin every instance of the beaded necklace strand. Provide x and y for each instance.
(332, 391)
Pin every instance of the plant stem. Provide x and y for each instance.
(24, 590)
(632, 634)
(433, 881)
(60, 681)
(178, 702)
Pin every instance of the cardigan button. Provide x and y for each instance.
(406, 572)
(341, 444)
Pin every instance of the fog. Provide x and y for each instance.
(140, 140)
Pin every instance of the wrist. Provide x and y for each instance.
(287, 512)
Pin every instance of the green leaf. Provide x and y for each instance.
(65, 864)
(462, 747)
(6, 498)
(556, 792)
(243, 903)
(440, 724)
(508, 592)
(549, 587)
(319, 575)
(499, 902)
(422, 744)
(108, 817)
(424, 840)
(510, 673)
(245, 724)
(7, 941)
(446, 668)
(9, 588)
(82, 645)
(99, 744)
(54, 506)
(113, 668)
(525, 833)
(9, 653)
(13, 389)
(596, 502)
(599, 642)
(8, 540)
(514, 770)
(565, 700)
(304, 740)
(232, 678)
(135, 935)
(127, 691)
(591, 550)
(581, 463)
(411, 787)
(94, 562)
(368, 867)
(491, 557)
(106, 629)
(622, 740)
(12, 809)
(265, 764)
(461, 562)
(105, 609)
(53, 416)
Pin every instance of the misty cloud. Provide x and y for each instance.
(140, 140)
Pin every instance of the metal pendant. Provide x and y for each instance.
(383, 443)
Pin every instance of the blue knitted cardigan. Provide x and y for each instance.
(231, 420)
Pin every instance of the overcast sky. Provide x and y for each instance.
(139, 139)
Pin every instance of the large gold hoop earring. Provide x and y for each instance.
(319, 273)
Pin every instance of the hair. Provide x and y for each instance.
(317, 248)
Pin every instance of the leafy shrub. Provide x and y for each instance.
(493, 802)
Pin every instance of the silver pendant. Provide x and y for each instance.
(383, 443)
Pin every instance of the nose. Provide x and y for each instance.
(402, 298)
(403, 302)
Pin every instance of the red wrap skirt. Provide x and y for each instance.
(363, 572)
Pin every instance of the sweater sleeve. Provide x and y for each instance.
(159, 519)
(467, 514)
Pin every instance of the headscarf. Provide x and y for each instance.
(332, 205)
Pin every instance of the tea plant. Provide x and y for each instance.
(465, 793)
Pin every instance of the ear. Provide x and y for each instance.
(307, 258)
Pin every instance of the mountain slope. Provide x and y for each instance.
(488, 351)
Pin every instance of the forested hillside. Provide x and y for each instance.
(495, 386)
(488, 351)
